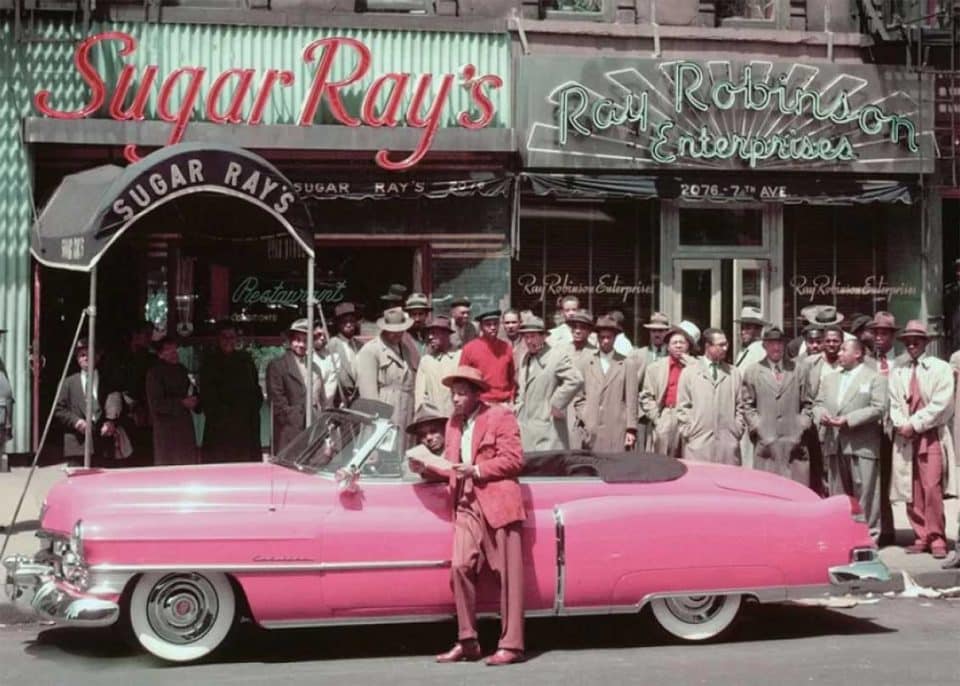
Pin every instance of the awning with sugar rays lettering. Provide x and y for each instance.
(92, 209)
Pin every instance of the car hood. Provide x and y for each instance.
(117, 493)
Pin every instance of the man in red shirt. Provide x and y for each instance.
(658, 399)
(493, 357)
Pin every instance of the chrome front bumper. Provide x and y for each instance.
(33, 588)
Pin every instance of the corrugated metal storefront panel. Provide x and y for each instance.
(220, 48)
(15, 221)
(26, 68)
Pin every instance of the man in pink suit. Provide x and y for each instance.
(483, 445)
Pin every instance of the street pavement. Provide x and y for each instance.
(886, 642)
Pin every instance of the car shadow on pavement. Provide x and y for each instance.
(255, 645)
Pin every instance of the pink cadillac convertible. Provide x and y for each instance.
(334, 531)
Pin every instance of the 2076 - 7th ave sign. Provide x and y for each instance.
(391, 99)
(723, 114)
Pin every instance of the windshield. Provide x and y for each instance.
(331, 442)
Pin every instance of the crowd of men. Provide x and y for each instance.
(837, 409)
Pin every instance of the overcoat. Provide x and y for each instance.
(710, 413)
(384, 374)
(776, 414)
(174, 439)
(606, 406)
(288, 393)
(429, 382)
(862, 405)
(230, 387)
(548, 380)
(661, 433)
(347, 349)
(937, 391)
(578, 433)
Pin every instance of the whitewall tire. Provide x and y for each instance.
(696, 617)
(182, 616)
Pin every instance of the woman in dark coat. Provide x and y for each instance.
(232, 398)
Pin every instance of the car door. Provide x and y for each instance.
(387, 549)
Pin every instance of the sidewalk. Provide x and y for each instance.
(923, 568)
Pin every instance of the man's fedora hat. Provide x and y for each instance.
(608, 324)
(82, 344)
(492, 314)
(821, 315)
(658, 321)
(688, 330)
(883, 320)
(427, 412)
(299, 326)
(914, 328)
(343, 309)
(462, 301)
(395, 293)
(468, 374)
(532, 325)
(859, 322)
(395, 320)
(418, 301)
(442, 322)
(751, 315)
(581, 317)
(774, 333)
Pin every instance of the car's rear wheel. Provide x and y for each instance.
(696, 617)
(182, 616)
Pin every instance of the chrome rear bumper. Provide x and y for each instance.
(867, 566)
(33, 588)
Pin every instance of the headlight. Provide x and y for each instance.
(74, 569)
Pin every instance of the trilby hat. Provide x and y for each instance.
(469, 374)
(395, 320)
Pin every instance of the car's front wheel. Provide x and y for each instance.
(182, 616)
(696, 617)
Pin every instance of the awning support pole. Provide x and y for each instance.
(310, 305)
(91, 369)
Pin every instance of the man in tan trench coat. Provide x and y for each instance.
(547, 384)
(383, 371)
(924, 465)
(709, 405)
(776, 411)
(606, 406)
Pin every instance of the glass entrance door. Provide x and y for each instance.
(714, 292)
(716, 259)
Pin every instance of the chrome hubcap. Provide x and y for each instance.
(695, 609)
(182, 608)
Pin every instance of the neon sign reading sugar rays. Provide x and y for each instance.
(674, 135)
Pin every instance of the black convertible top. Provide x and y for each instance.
(633, 467)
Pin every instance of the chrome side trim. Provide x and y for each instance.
(560, 588)
(260, 568)
(352, 621)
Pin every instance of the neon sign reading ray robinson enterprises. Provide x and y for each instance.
(579, 113)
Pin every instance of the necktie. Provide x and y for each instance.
(778, 373)
(884, 365)
(713, 366)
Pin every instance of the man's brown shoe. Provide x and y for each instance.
(506, 657)
(462, 651)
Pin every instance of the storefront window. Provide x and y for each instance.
(734, 226)
(604, 253)
(859, 259)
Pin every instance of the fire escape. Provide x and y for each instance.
(928, 33)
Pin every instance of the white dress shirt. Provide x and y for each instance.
(846, 377)
(605, 359)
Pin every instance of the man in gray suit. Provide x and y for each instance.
(849, 411)
(547, 384)
(776, 411)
